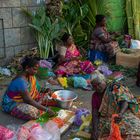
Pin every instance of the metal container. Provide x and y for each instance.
(67, 97)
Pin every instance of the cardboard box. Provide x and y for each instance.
(128, 60)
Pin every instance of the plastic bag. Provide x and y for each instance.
(5, 71)
(94, 55)
(38, 133)
(105, 70)
(5, 133)
(58, 121)
(78, 115)
(45, 64)
(53, 130)
(98, 76)
(86, 121)
(135, 44)
(23, 133)
(63, 81)
(80, 82)
(51, 74)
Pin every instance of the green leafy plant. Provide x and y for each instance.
(114, 12)
(73, 15)
(90, 18)
(128, 72)
(88, 23)
(127, 51)
(45, 30)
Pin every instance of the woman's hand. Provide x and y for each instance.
(45, 90)
(51, 113)
(123, 108)
(73, 58)
(115, 33)
(119, 118)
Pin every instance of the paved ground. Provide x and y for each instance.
(84, 100)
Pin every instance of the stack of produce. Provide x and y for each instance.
(15, 63)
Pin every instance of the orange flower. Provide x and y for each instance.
(58, 121)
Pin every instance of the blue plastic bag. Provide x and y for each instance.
(97, 55)
(80, 82)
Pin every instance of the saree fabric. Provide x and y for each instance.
(74, 66)
(13, 102)
(97, 44)
(113, 95)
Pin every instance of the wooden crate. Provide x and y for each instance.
(128, 60)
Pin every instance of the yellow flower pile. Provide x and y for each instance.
(98, 62)
(63, 81)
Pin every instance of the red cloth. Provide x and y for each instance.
(115, 133)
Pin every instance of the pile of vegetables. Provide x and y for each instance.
(128, 72)
(125, 50)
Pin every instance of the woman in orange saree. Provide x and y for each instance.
(22, 98)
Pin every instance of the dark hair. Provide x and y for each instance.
(65, 37)
(99, 18)
(28, 62)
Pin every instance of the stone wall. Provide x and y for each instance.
(15, 35)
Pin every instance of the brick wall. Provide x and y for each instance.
(15, 35)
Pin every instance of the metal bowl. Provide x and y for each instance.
(67, 96)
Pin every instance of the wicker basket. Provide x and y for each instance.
(128, 60)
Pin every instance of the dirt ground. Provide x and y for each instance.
(84, 100)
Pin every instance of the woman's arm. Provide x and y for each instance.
(73, 58)
(95, 123)
(27, 99)
(103, 35)
(123, 107)
(105, 40)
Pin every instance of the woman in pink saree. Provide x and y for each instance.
(71, 63)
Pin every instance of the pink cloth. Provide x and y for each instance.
(5, 133)
(74, 66)
(72, 51)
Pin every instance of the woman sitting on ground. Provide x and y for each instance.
(109, 99)
(101, 40)
(71, 63)
(22, 98)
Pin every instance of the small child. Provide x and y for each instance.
(138, 76)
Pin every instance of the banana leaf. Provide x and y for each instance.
(46, 31)
(45, 117)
